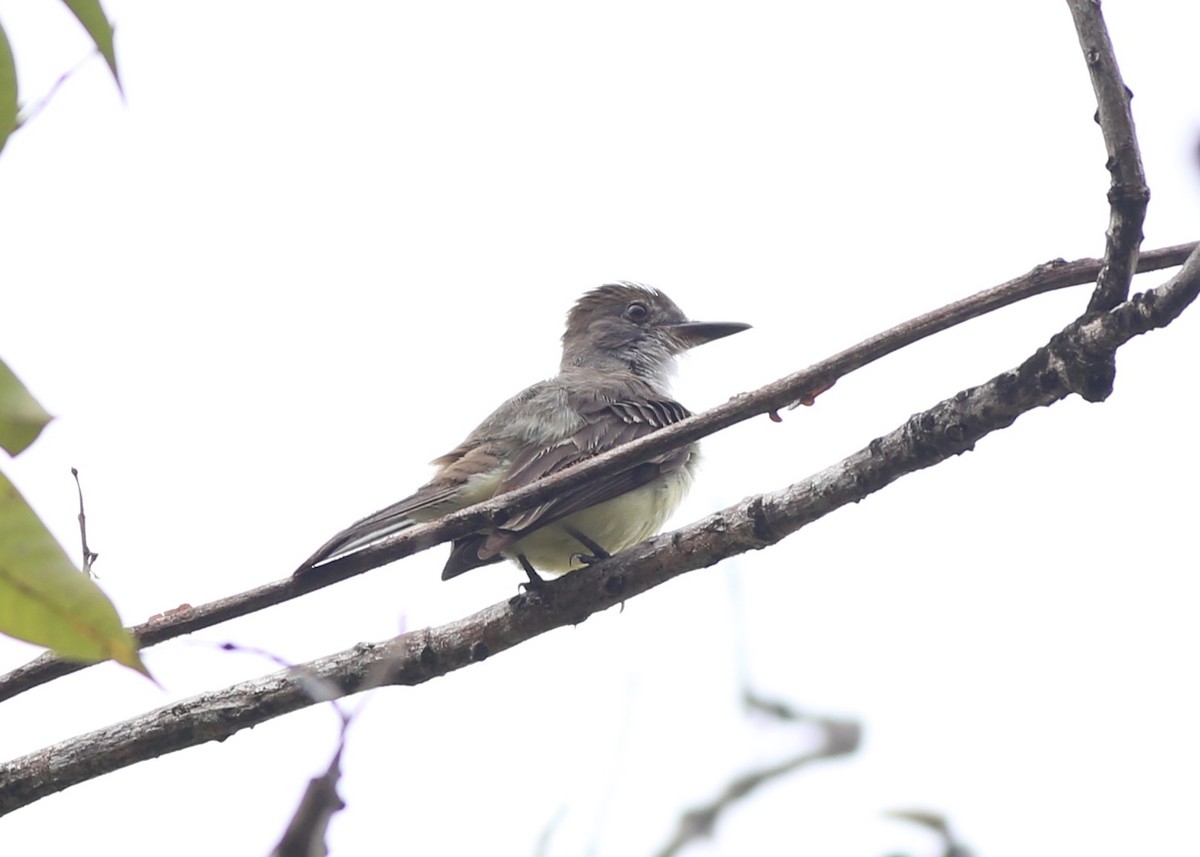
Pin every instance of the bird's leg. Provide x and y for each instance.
(597, 553)
(535, 580)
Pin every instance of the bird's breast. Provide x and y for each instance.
(614, 524)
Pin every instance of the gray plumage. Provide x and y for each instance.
(619, 351)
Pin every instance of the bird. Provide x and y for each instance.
(613, 386)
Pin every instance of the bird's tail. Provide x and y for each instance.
(359, 535)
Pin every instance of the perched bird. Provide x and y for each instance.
(619, 351)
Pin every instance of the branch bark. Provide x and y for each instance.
(1075, 360)
(1048, 277)
(1128, 195)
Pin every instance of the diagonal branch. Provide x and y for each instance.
(1044, 278)
(1128, 194)
(949, 428)
(837, 737)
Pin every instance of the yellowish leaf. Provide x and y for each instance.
(45, 600)
(21, 417)
(8, 90)
(96, 23)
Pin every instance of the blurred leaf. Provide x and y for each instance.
(8, 90)
(21, 417)
(45, 600)
(94, 21)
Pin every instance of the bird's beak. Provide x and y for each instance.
(693, 333)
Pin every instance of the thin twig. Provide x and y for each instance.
(38, 106)
(185, 620)
(949, 428)
(305, 832)
(89, 556)
(952, 846)
(839, 737)
(1128, 194)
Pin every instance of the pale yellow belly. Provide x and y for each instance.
(614, 524)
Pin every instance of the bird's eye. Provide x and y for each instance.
(636, 311)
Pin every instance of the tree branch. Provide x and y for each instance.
(1128, 194)
(1065, 365)
(1048, 277)
(838, 737)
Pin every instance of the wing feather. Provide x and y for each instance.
(608, 424)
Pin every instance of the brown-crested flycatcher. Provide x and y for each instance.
(619, 352)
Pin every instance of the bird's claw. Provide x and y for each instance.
(586, 558)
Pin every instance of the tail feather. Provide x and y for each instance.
(358, 536)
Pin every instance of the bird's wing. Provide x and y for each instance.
(607, 424)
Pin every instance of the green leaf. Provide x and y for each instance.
(8, 90)
(45, 600)
(94, 21)
(21, 417)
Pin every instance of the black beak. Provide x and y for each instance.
(693, 333)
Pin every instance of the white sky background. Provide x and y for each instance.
(321, 241)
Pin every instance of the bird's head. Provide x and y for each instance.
(634, 327)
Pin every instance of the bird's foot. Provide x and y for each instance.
(586, 558)
(536, 582)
